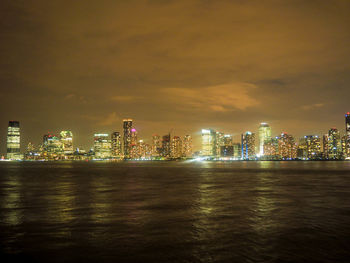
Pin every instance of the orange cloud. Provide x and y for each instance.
(219, 98)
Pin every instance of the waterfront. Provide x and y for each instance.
(175, 211)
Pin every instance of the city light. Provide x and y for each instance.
(215, 146)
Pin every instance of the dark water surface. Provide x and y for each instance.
(175, 212)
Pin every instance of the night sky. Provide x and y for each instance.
(173, 65)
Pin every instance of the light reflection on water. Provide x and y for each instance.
(241, 211)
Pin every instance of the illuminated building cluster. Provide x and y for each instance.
(215, 145)
(218, 146)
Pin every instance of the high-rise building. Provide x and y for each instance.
(334, 144)
(209, 143)
(187, 146)
(287, 148)
(127, 126)
(226, 151)
(226, 146)
(134, 149)
(264, 135)
(134, 140)
(347, 135)
(176, 147)
(312, 145)
(325, 146)
(52, 146)
(102, 146)
(166, 146)
(116, 144)
(271, 149)
(237, 151)
(156, 145)
(248, 146)
(13, 141)
(219, 142)
(66, 138)
(343, 145)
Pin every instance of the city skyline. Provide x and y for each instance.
(174, 64)
(214, 144)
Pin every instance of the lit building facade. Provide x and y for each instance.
(187, 146)
(248, 146)
(264, 135)
(66, 138)
(127, 126)
(219, 137)
(13, 141)
(166, 146)
(176, 147)
(347, 135)
(156, 145)
(312, 145)
(287, 148)
(209, 143)
(102, 146)
(226, 146)
(334, 144)
(52, 147)
(237, 151)
(134, 149)
(116, 144)
(271, 149)
(325, 145)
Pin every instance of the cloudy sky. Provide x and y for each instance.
(173, 65)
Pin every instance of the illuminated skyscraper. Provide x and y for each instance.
(334, 144)
(52, 147)
(134, 149)
(248, 146)
(166, 146)
(264, 135)
(347, 135)
(116, 144)
(287, 148)
(226, 147)
(219, 142)
(127, 126)
(176, 147)
(66, 138)
(13, 141)
(325, 146)
(102, 146)
(271, 149)
(133, 136)
(312, 144)
(237, 151)
(156, 146)
(209, 143)
(187, 146)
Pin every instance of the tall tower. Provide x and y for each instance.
(248, 146)
(176, 147)
(347, 135)
(187, 146)
(156, 147)
(116, 144)
(166, 146)
(102, 146)
(209, 143)
(13, 140)
(264, 135)
(127, 126)
(334, 144)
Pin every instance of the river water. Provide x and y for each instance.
(175, 212)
